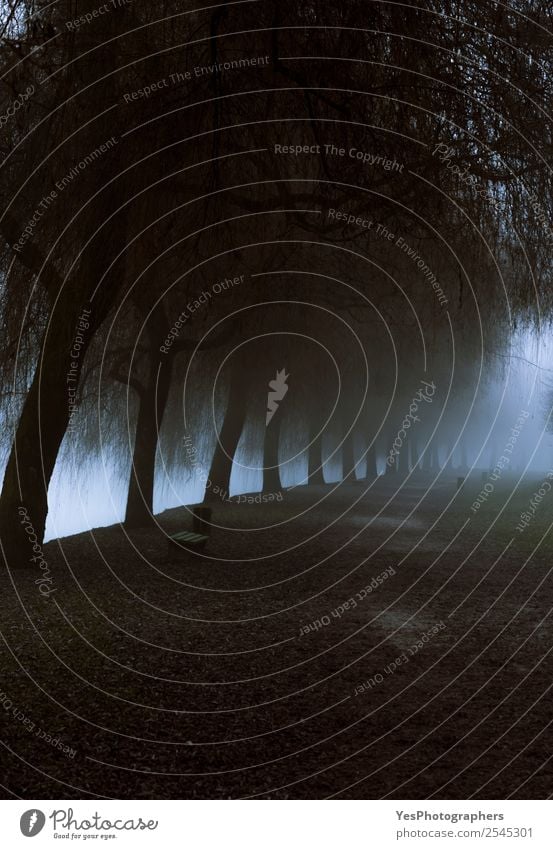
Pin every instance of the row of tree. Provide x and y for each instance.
(147, 168)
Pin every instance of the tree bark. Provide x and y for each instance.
(403, 459)
(427, 458)
(315, 475)
(494, 453)
(271, 468)
(152, 404)
(464, 463)
(218, 483)
(348, 459)
(46, 412)
(449, 454)
(153, 397)
(391, 468)
(39, 434)
(372, 471)
(415, 459)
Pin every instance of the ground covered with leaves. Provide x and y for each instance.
(281, 663)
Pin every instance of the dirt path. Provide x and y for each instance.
(278, 665)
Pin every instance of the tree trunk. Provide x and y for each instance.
(429, 457)
(403, 459)
(218, 483)
(315, 476)
(348, 459)
(449, 454)
(372, 471)
(494, 454)
(464, 463)
(153, 398)
(391, 468)
(152, 404)
(271, 469)
(46, 412)
(359, 451)
(415, 459)
(39, 434)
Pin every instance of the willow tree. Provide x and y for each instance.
(55, 221)
(144, 111)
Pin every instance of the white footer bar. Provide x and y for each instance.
(263, 824)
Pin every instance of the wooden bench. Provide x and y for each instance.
(196, 539)
(187, 541)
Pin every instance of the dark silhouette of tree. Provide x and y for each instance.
(150, 148)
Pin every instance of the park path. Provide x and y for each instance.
(192, 677)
